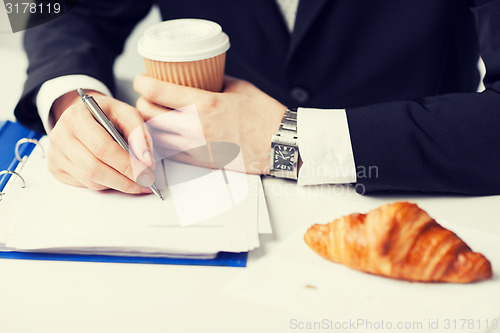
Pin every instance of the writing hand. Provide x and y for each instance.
(83, 154)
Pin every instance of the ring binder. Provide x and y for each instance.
(4, 172)
(26, 140)
(21, 160)
(14, 137)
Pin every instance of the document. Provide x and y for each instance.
(51, 216)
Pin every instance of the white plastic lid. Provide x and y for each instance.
(183, 40)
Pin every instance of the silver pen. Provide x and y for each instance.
(104, 121)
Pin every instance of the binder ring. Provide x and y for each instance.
(13, 173)
(27, 140)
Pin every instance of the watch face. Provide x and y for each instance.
(284, 158)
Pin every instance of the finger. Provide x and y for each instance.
(89, 170)
(166, 142)
(184, 122)
(150, 110)
(95, 138)
(78, 179)
(161, 126)
(65, 171)
(173, 142)
(58, 167)
(66, 178)
(168, 94)
(130, 122)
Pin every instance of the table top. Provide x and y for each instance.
(39, 296)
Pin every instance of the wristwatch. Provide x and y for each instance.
(284, 154)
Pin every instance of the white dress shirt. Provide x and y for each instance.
(323, 135)
(55, 88)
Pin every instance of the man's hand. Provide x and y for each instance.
(242, 115)
(83, 154)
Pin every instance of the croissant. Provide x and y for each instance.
(399, 241)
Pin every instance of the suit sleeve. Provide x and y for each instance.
(85, 40)
(448, 143)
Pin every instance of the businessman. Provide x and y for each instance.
(379, 85)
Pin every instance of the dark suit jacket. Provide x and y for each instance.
(405, 70)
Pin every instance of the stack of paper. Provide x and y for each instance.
(51, 216)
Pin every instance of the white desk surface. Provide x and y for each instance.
(43, 296)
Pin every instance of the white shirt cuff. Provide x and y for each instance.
(55, 88)
(325, 147)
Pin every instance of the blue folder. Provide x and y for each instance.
(222, 258)
(10, 134)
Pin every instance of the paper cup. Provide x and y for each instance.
(189, 52)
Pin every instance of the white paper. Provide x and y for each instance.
(264, 220)
(49, 214)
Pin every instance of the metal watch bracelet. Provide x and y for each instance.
(286, 137)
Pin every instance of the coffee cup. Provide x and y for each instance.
(188, 52)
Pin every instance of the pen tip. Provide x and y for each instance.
(81, 92)
(156, 191)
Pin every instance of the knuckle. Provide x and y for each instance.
(53, 163)
(151, 92)
(72, 112)
(210, 102)
(72, 118)
(54, 137)
(246, 83)
(137, 83)
(100, 149)
(62, 131)
(54, 168)
(63, 121)
(92, 170)
(102, 99)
